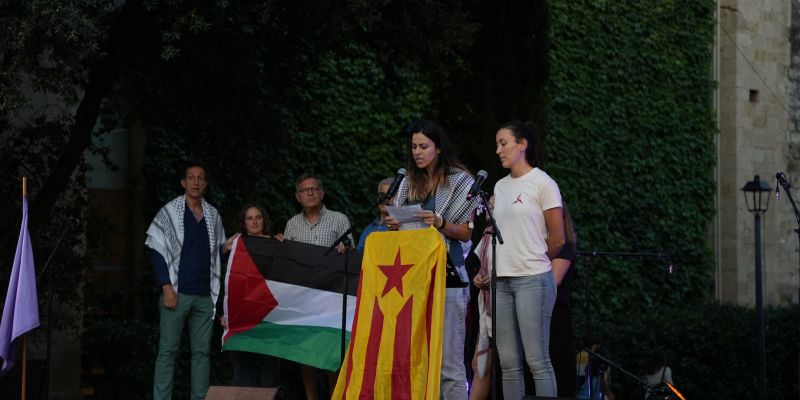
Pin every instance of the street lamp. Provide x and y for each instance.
(755, 192)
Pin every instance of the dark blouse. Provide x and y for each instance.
(564, 295)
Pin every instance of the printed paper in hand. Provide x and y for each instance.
(407, 217)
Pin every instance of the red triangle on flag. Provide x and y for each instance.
(249, 297)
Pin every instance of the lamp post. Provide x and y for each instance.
(755, 193)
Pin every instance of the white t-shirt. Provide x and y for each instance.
(519, 205)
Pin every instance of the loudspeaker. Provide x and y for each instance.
(240, 393)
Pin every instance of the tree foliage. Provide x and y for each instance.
(228, 75)
(341, 122)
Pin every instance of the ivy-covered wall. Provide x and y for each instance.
(341, 121)
(630, 141)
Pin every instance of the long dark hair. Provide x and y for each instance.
(243, 224)
(527, 130)
(418, 177)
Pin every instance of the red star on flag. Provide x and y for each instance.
(394, 273)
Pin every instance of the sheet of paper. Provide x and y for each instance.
(406, 216)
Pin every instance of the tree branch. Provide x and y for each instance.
(104, 73)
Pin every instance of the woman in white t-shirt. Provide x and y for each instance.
(527, 208)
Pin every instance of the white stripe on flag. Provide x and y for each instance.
(299, 305)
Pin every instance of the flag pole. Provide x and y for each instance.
(24, 362)
(24, 335)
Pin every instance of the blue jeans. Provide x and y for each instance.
(454, 373)
(524, 308)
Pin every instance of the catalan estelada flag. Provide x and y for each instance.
(285, 299)
(395, 347)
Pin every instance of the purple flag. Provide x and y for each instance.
(21, 310)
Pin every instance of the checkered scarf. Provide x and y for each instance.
(165, 235)
(450, 201)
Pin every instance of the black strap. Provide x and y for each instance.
(453, 279)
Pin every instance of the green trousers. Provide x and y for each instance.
(198, 311)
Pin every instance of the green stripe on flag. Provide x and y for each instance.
(310, 345)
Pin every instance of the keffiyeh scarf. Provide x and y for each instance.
(165, 235)
(450, 201)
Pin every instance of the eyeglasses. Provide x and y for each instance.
(310, 190)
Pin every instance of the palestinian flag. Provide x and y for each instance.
(396, 344)
(285, 299)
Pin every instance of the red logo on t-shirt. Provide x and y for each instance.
(518, 200)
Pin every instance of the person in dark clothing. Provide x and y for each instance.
(561, 346)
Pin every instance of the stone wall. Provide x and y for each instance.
(755, 139)
(794, 72)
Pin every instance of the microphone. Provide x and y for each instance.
(476, 186)
(401, 174)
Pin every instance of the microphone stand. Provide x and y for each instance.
(496, 237)
(590, 255)
(642, 381)
(344, 238)
(49, 329)
(781, 177)
(786, 186)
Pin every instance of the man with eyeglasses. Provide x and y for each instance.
(315, 224)
(185, 239)
(377, 224)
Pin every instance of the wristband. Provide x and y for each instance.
(444, 222)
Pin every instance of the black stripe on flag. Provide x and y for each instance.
(304, 264)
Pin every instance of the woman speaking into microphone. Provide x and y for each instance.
(439, 183)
